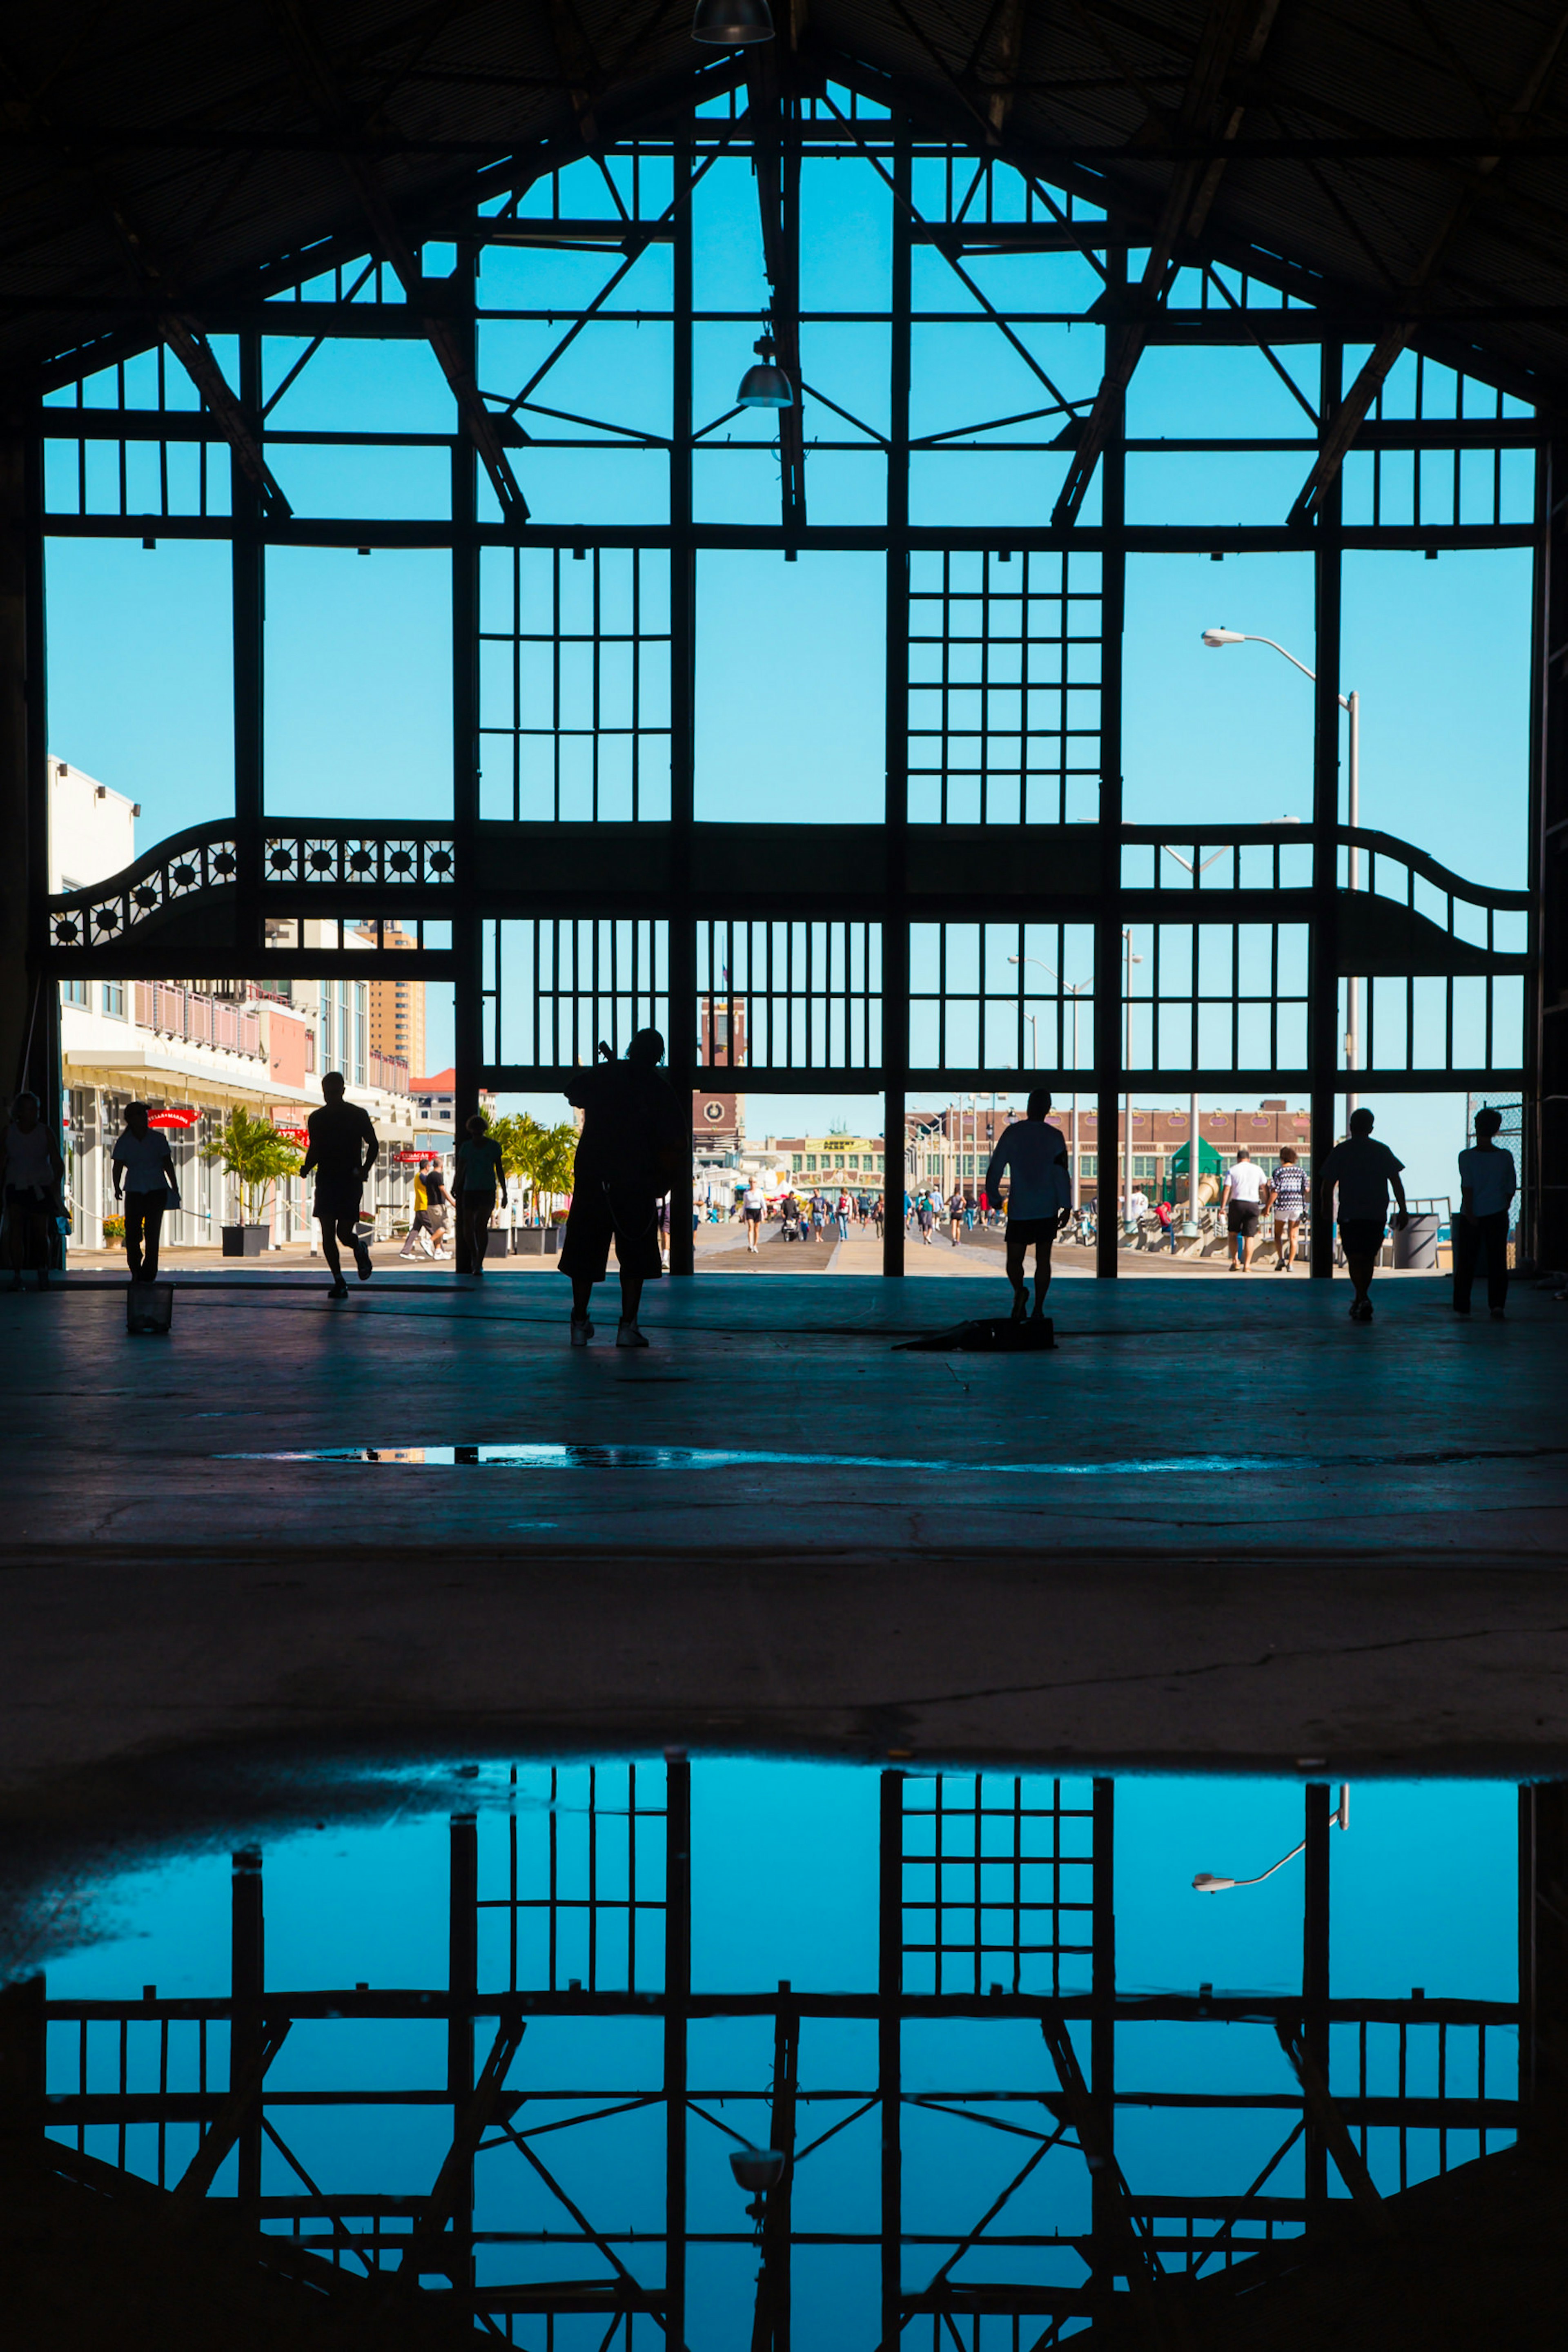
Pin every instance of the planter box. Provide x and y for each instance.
(537, 1241)
(498, 1241)
(244, 1241)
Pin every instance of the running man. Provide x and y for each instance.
(1286, 1195)
(1240, 1199)
(1039, 1197)
(1364, 1171)
(342, 1151)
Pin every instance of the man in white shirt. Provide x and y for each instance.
(1040, 1196)
(1487, 1187)
(1243, 1192)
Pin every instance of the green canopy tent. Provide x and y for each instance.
(1209, 1163)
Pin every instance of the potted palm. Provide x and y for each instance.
(255, 1156)
(541, 1157)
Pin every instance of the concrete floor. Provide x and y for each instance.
(1220, 1525)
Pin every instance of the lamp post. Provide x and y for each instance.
(1075, 989)
(1205, 1883)
(1193, 1227)
(1126, 1058)
(1351, 704)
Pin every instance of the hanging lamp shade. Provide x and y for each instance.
(765, 384)
(731, 23)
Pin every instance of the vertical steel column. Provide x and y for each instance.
(1106, 2225)
(463, 1986)
(683, 955)
(1544, 1175)
(1544, 1963)
(1315, 1983)
(889, 2065)
(247, 1978)
(23, 773)
(1322, 983)
(677, 2010)
(1108, 1014)
(248, 556)
(467, 936)
(23, 2089)
(895, 891)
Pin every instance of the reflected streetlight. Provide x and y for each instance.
(1351, 704)
(1205, 1883)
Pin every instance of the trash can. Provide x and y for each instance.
(1416, 1249)
(149, 1309)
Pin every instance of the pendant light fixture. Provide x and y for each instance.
(765, 385)
(731, 23)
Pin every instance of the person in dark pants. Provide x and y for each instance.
(479, 1170)
(342, 1151)
(144, 1174)
(1040, 1196)
(634, 1136)
(1364, 1171)
(32, 1175)
(1486, 1186)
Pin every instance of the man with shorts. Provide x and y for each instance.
(1364, 1171)
(429, 1213)
(628, 1154)
(1243, 1193)
(1040, 1198)
(342, 1151)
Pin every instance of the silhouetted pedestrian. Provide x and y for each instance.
(1241, 1197)
(1033, 1155)
(144, 1167)
(634, 1137)
(1286, 1196)
(1487, 1187)
(32, 1174)
(1364, 1171)
(429, 1213)
(477, 1175)
(342, 1151)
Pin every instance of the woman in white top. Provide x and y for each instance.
(31, 1175)
(1286, 1195)
(144, 1175)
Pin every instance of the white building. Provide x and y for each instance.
(201, 1048)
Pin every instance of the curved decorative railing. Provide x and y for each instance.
(201, 859)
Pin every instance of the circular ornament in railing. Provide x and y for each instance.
(279, 857)
(440, 861)
(106, 919)
(319, 860)
(67, 933)
(146, 896)
(399, 861)
(184, 876)
(223, 862)
(361, 861)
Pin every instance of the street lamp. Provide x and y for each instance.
(1351, 704)
(1126, 1058)
(1205, 1883)
(1075, 989)
(1193, 1227)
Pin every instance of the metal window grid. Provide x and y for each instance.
(804, 997)
(986, 1873)
(553, 990)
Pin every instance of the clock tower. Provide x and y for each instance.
(719, 1117)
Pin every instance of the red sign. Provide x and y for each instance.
(410, 1158)
(173, 1115)
(300, 1135)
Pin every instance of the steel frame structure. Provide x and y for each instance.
(992, 822)
(1018, 1875)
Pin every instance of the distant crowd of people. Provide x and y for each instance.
(632, 1146)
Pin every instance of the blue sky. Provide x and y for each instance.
(790, 657)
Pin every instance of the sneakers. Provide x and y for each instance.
(628, 1336)
(339, 1289)
(362, 1260)
(1361, 1310)
(581, 1330)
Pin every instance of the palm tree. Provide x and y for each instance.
(256, 1156)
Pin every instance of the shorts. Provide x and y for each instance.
(432, 1220)
(1040, 1231)
(600, 1212)
(1362, 1236)
(338, 1200)
(1241, 1217)
(754, 1216)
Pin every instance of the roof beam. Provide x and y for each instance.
(1237, 30)
(487, 433)
(776, 158)
(1352, 410)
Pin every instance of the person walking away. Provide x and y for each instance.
(477, 1175)
(1364, 1170)
(818, 1216)
(753, 1200)
(879, 1215)
(429, 1213)
(955, 1218)
(1243, 1193)
(635, 1138)
(1165, 1217)
(1033, 1155)
(925, 1216)
(32, 1175)
(1286, 1198)
(341, 1151)
(144, 1176)
(1486, 1186)
(842, 1215)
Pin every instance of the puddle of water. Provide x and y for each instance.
(698, 1458)
(582, 1929)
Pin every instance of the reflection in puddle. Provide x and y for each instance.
(509, 2050)
(697, 1457)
